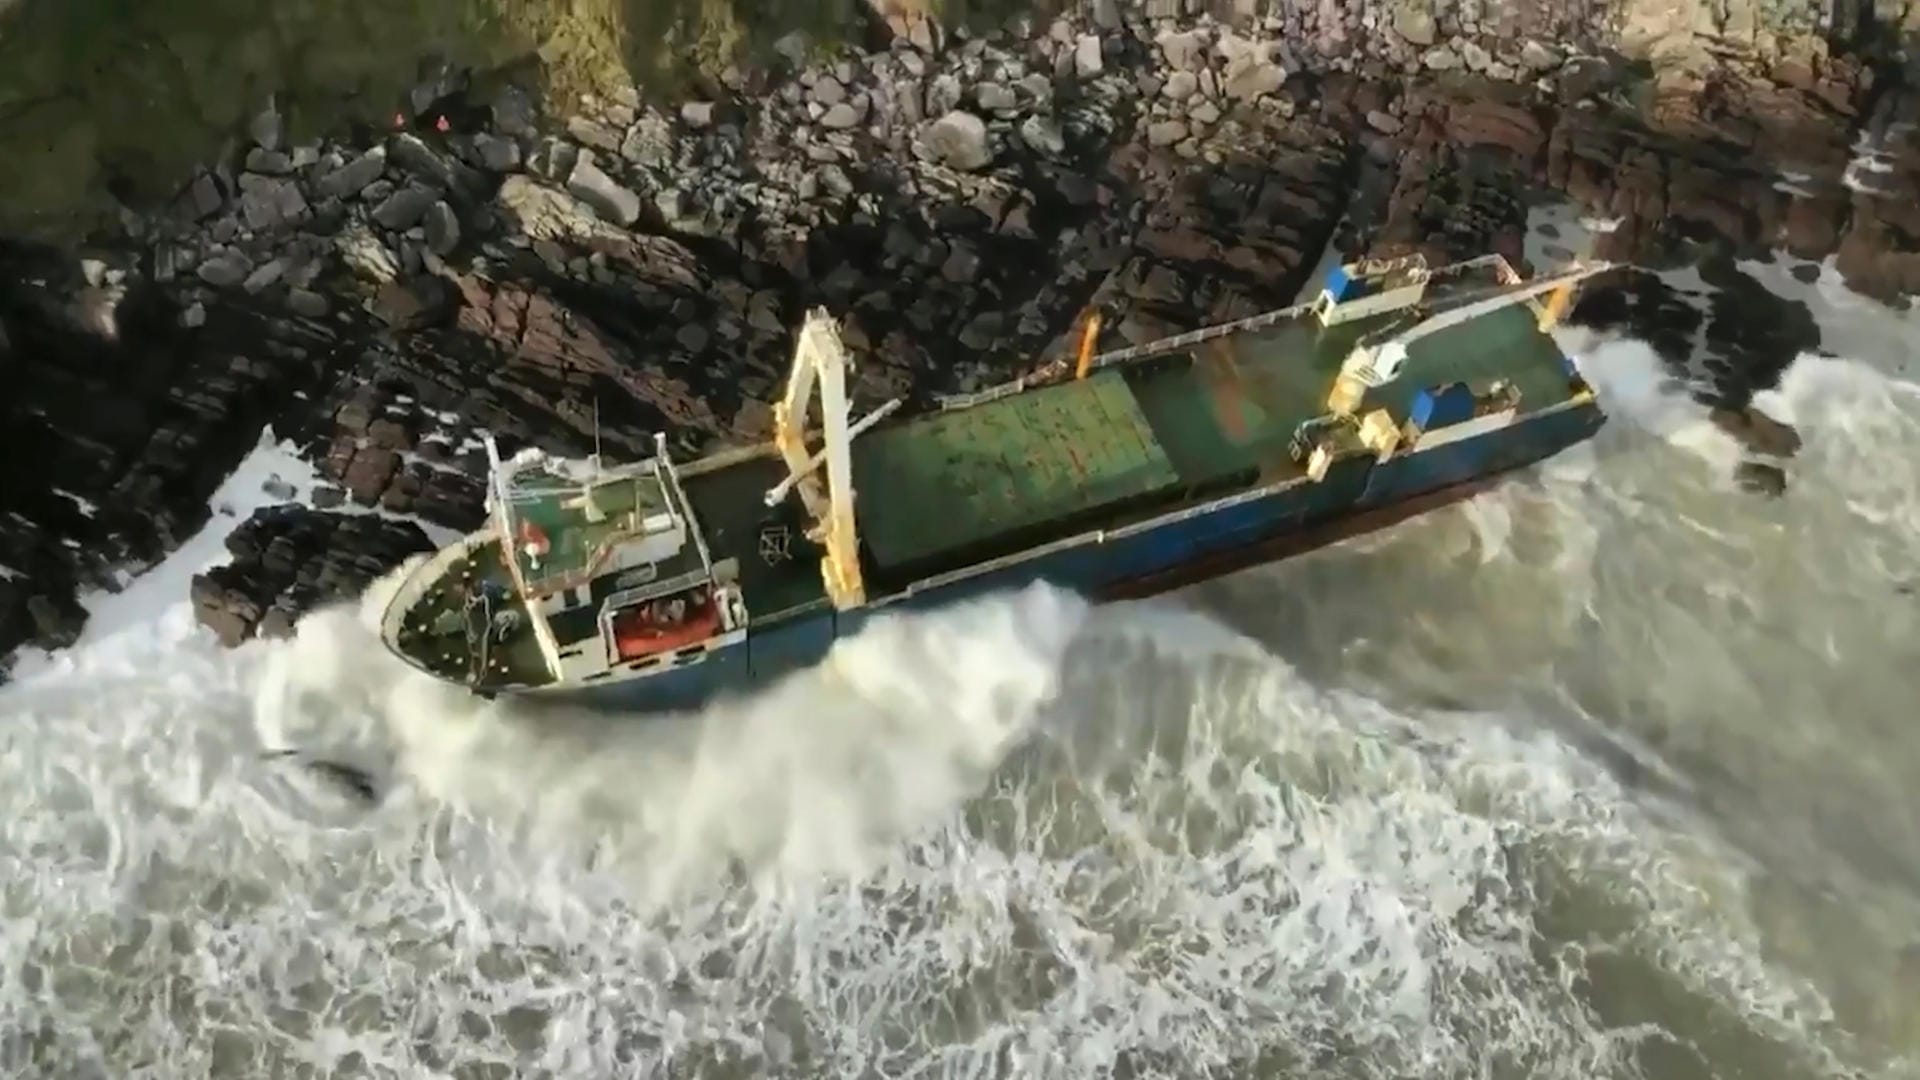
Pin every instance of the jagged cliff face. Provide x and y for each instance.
(97, 97)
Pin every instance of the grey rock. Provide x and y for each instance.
(307, 302)
(763, 313)
(1252, 75)
(1165, 132)
(496, 153)
(1476, 58)
(598, 190)
(943, 94)
(1181, 85)
(697, 114)
(959, 139)
(194, 316)
(352, 178)
(692, 337)
(1539, 57)
(207, 199)
(365, 255)
(1383, 122)
(840, 116)
(1204, 113)
(404, 208)
(1440, 58)
(593, 133)
(649, 143)
(268, 202)
(833, 180)
(1106, 14)
(443, 228)
(1087, 60)
(428, 165)
(264, 275)
(828, 91)
(1043, 136)
(995, 98)
(1181, 50)
(962, 264)
(269, 162)
(924, 34)
(225, 269)
(513, 112)
(1414, 23)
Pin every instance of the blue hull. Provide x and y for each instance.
(1357, 496)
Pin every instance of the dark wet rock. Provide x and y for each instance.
(404, 208)
(204, 197)
(417, 302)
(1758, 432)
(1761, 478)
(57, 620)
(137, 429)
(269, 162)
(355, 176)
(498, 154)
(428, 166)
(225, 269)
(1753, 335)
(289, 560)
(271, 202)
(306, 302)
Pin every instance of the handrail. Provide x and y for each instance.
(1156, 347)
(1187, 339)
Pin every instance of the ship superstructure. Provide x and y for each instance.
(1128, 471)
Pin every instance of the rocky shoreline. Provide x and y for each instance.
(958, 199)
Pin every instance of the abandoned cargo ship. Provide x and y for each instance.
(659, 585)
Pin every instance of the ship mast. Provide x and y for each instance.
(819, 357)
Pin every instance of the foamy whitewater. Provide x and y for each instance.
(1610, 773)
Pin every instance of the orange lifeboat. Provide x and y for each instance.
(665, 624)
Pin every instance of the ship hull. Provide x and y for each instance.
(1356, 497)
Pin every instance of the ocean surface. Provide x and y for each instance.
(1614, 772)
